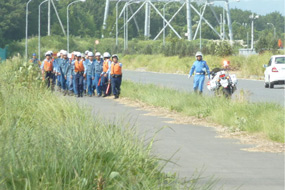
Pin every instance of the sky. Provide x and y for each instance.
(261, 7)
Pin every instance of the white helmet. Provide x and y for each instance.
(58, 54)
(97, 54)
(86, 52)
(64, 52)
(90, 54)
(78, 54)
(199, 54)
(47, 53)
(115, 55)
(106, 54)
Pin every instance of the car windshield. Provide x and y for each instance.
(280, 60)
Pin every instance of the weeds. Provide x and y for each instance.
(49, 142)
(238, 115)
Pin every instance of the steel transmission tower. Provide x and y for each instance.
(150, 5)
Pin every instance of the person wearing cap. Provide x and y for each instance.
(116, 73)
(57, 77)
(62, 64)
(35, 60)
(106, 79)
(48, 71)
(79, 72)
(72, 60)
(68, 75)
(89, 72)
(200, 68)
(84, 59)
(98, 69)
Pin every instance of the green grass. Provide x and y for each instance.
(246, 66)
(49, 142)
(138, 55)
(263, 118)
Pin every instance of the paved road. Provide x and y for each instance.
(180, 82)
(198, 148)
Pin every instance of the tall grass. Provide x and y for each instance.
(265, 118)
(248, 67)
(49, 142)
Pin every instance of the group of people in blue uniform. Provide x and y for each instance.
(77, 74)
(81, 74)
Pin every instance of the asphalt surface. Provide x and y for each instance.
(196, 148)
(254, 89)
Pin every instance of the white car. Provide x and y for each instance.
(275, 71)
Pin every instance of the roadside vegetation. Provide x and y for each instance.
(238, 115)
(50, 142)
(175, 57)
(245, 67)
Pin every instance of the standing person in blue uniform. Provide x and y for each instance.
(68, 76)
(84, 59)
(73, 59)
(35, 60)
(200, 67)
(106, 78)
(89, 72)
(98, 69)
(56, 69)
(79, 72)
(62, 64)
(116, 73)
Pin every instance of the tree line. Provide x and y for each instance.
(86, 20)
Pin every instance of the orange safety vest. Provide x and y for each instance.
(78, 66)
(106, 65)
(48, 65)
(116, 69)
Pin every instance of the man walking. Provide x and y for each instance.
(116, 73)
(200, 67)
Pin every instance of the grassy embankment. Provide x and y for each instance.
(245, 67)
(49, 142)
(266, 119)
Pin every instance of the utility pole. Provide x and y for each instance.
(189, 23)
(49, 17)
(252, 17)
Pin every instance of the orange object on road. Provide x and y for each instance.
(99, 82)
(108, 88)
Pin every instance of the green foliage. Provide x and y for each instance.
(238, 115)
(50, 142)
(245, 67)
(221, 49)
(86, 20)
(267, 42)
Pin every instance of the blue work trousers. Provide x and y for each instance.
(199, 82)
(95, 84)
(79, 82)
(62, 81)
(90, 85)
(116, 85)
(58, 78)
(69, 83)
(74, 84)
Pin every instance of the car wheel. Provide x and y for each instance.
(266, 85)
(271, 85)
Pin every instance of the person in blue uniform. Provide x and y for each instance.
(200, 68)
(98, 69)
